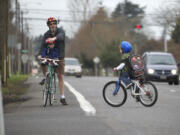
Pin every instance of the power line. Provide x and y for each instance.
(82, 21)
(69, 11)
(50, 10)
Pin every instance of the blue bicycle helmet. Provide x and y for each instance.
(126, 46)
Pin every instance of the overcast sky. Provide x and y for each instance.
(39, 27)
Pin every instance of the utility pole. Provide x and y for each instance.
(138, 28)
(22, 29)
(15, 66)
(165, 38)
(7, 34)
(4, 39)
(19, 37)
(22, 40)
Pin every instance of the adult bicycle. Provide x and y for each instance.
(115, 92)
(49, 89)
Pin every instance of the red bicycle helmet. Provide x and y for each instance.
(51, 19)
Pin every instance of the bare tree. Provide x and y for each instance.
(166, 17)
(81, 11)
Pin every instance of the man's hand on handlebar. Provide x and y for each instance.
(46, 60)
(51, 40)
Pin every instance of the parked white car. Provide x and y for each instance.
(73, 67)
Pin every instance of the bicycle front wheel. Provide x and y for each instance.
(114, 99)
(52, 90)
(149, 94)
(45, 91)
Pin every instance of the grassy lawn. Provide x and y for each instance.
(15, 88)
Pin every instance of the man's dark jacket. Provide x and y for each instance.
(60, 42)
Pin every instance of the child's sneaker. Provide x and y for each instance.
(137, 99)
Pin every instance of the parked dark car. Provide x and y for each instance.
(161, 66)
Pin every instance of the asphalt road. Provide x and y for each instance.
(90, 115)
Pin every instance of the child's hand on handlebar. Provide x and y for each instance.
(39, 57)
(114, 69)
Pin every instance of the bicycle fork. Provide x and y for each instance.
(53, 87)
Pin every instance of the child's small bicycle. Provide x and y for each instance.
(49, 90)
(115, 92)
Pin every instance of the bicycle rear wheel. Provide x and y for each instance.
(149, 95)
(50, 99)
(114, 99)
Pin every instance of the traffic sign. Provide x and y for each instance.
(19, 46)
(24, 58)
(96, 60)
(25, 51)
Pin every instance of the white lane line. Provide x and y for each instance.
(84, 104)
(172, 90)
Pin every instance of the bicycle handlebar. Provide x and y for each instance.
(48, 60)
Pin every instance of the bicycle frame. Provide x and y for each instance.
(51, 74)
(137, 85)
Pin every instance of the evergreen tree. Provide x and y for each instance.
(176, 33)
(110, 55)
(127, 9)
(118, 11)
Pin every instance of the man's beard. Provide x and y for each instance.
(53, 30)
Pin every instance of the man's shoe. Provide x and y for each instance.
(63, 101)
(42, 82)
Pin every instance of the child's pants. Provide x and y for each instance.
(125, 78)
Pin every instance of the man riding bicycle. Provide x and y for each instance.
(56, 38)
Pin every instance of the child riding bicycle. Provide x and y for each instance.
(125, 66)
(131, 77)
(125, 49)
